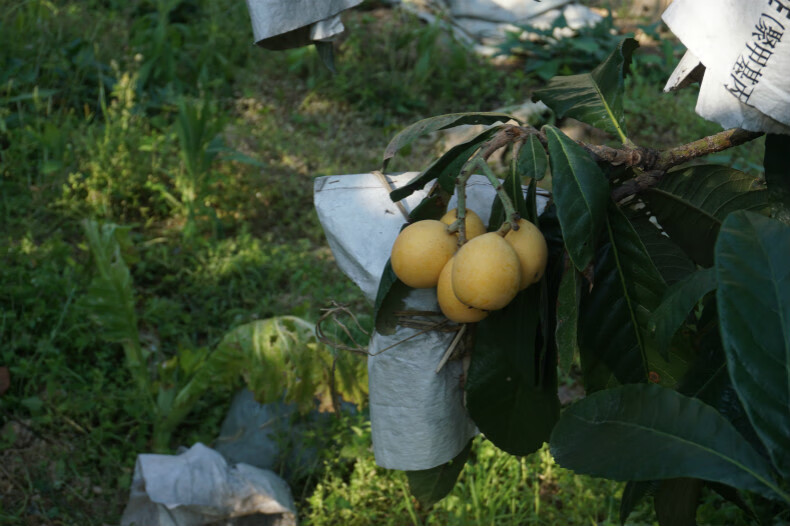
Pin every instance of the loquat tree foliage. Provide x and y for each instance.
(666, 278)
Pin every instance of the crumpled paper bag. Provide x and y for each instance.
(284, 24)
(745, 49)
(418, 418)
(198, 487)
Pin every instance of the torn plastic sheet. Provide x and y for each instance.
(285, 24)
(198, 487)
(418, 418)
(745, 50)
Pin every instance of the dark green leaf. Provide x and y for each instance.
(110, 299)
(581, 194)
(440, 122)
(753, 272)
(568, 317)
(648, 432)
(733, 495)
(326, 51)
(511, 394)
(429, 486)
(532, 159)
(708, 378)
(691, 203)
(531, 209)
(446, 168)
(434, 206)
(633, 493)
(390, 297)
(676, 305)
(613, 325)
(515, 191)
(667, 256)
(676, 501)
(777, 175)
(597, 97)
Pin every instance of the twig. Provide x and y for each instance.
(451, 348)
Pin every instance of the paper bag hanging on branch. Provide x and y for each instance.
(744, 48)
(285, 24)
(418, 418)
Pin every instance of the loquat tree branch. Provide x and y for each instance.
(651, 163)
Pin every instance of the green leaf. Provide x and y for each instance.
(667, 256)
(613, 323)
(777, 175)
(434, 206)
(429, 486)
(515, 191)
(532, 203)
(568, 318)
(532, 159)
(676, 501)
(633, 493)
(326, 52)
(691, 204)
(676, 305)
(440, 122)
(648, 432)
(595, 98)
(280, 358)
(753, 273)
(110, 298)
(391, 296)
(581, 194)
(733, 495)
(511, 394)
(446, 168)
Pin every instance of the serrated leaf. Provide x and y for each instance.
(440, 122)
(568, 318)
(595, 98)
(691, 204)
(676, 305)
(532, 159)
(110, 299)
(656, 433)
(753, 273)
(446, 168)
(581, 194)
(676, 502)
(777, 175)
(511, 394)
(429, 486)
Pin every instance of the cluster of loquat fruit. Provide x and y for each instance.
(483, 275)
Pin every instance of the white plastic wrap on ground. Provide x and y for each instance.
(745, 48)
(199, 487)
(417, 416)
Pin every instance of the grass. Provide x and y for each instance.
(95, 102)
